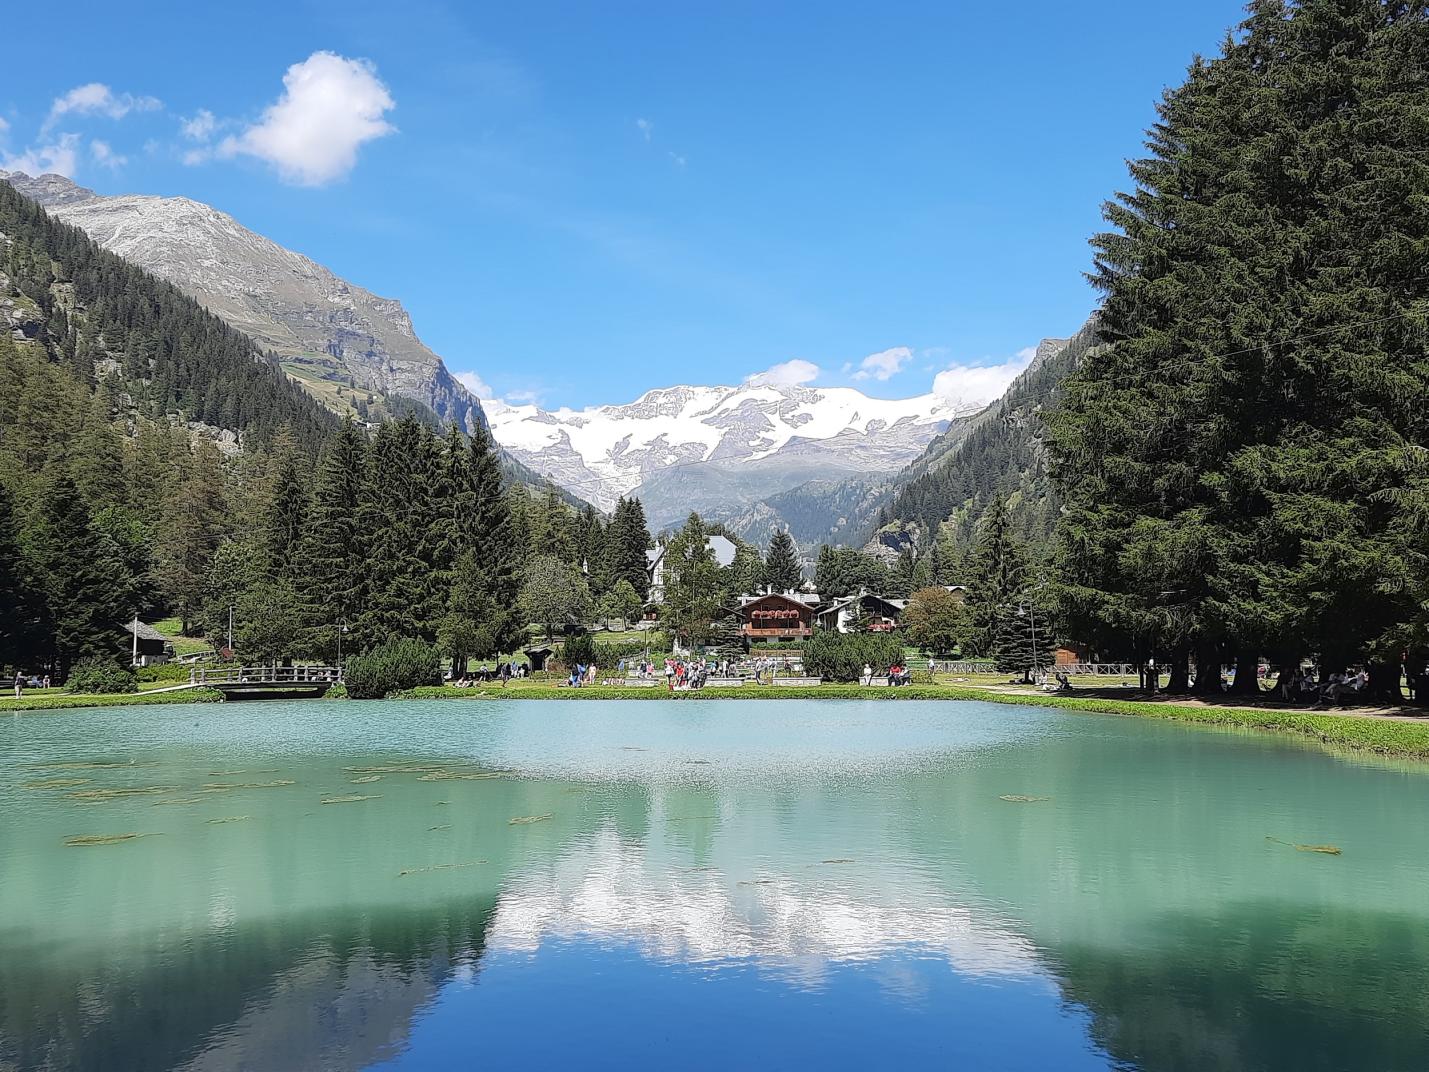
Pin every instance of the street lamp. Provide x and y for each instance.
(1026, 610)
(341, 628)
(230, 630)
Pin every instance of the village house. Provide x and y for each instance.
(877, 613)
(778, 615)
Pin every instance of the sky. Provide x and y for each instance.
(578, 202)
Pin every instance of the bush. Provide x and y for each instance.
(837, 656)
(392, 667)
(95, 676)
(578, 649)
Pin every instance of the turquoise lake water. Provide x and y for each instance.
(690, 884)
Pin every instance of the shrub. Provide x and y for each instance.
(837, 656)
(578, 649)
(391, 667)
(96, 676)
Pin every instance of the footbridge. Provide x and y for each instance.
(266, 682)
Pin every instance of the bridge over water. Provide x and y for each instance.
(263, 682)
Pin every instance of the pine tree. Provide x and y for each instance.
(1235, 459)
(1023, 639)
(330, 587)
(626, 541)
(82, 581)
(782, 571)
(692, 583)
(996, 569)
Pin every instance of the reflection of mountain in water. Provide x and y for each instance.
(610, 890)
(305, 992)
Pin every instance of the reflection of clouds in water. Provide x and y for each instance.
(793, 924)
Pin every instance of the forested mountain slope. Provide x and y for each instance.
(354, 351)
(998, 452)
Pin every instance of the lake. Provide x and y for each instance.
(701, 884)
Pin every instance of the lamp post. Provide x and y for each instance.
(230, 630)
(341, 628)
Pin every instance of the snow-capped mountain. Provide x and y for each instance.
(332, 336)
(717, 449)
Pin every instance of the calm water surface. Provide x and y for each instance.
(701, 885)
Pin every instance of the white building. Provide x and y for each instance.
(721, 547)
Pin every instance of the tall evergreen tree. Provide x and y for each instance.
(996, 570)
(1235, 460)
(79, 574)
(782, 571)
(330, 588)
(626, 541)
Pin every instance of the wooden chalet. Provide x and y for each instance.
(776, 617)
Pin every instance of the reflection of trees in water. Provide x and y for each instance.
(334, 992)
(1258, 987)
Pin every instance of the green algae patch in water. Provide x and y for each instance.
(229, 819)
(366, 779)
(1021, 798)
(522, 820)
(350, 798)
(1327, 850)
(440, 867)
(227, 787)
(79, 840)
(124, 791)
(55, 783)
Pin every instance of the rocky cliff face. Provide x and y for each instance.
(332, 336)
(719, 449)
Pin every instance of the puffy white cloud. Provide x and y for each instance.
(980, 384)
(475, 384)
(883, 365)
(330, 107)
(200, 126)
(95, 98)
(786, 374)
(4, 124)
(60, 156)
(105, 156)
(645, 127)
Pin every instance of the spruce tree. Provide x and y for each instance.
(996, 569)
(330, 586)
(1235, 458)
(782, 571)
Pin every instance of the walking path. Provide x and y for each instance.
(1235, 703)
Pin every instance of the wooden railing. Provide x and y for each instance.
(268, 675)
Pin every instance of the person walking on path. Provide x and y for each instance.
(19, 684)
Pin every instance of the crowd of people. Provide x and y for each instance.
(502, 672)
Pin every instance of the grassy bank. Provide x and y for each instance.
(54, 699)
(1380, 735)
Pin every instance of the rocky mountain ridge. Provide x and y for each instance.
(337, 339)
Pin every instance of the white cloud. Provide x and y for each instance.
(95, 98)
(678, 159)
(330, 106)
(980, 384)
(4, 124)
(786, 374)
(883, 365)
(200, 127)
(106, 156)
(61, 157)
(645, 127)
(475, 384)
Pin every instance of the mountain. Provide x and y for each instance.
(998, 452)
(719, 450)
(341, 342)
(989, 447)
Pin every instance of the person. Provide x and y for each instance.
(45, 682)
(505, 674)
(19, 684)
(932, 667)
(670, 674)
(866, 678)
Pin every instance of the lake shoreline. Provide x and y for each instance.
(1378, 734)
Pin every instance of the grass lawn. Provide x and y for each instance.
(183, 645)
(56, 699)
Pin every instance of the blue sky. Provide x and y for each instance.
(577, 202)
